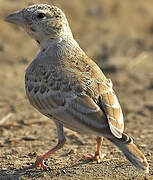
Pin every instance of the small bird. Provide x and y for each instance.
(64, 84)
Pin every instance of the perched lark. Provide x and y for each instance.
(64, 84)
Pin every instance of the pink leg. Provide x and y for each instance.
(61, 141)
(40, 160)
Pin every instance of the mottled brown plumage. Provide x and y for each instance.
(64, 84)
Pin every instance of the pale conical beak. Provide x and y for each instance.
(16, 18)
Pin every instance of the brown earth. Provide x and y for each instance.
(118, 35)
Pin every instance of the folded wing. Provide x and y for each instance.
(108, 102)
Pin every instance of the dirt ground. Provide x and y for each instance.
(118, 35)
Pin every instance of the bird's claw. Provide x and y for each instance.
(94, 157)
(39, 163)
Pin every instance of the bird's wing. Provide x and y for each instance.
(108, 102)
(88, 113)
(79, 113)
(103, 112)
(52, 94)
(57, 97)
(100, 90)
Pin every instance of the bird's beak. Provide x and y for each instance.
(16, 18)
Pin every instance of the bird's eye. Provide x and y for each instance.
(41, 15)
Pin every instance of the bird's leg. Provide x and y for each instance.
(61, 141)
(98, 156)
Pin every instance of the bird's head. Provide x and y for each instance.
(42, 22)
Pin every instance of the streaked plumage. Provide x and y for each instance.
(64, 84)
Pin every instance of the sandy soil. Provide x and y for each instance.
(118, 35)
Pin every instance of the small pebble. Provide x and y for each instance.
(4, 169)
(143, 145)
(63, 171)
(14, 151)
(149, 154)
(32, 154)
(72, 151)
(28, 163)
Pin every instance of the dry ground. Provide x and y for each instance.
(118, 35)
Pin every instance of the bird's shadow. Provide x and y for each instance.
(31, 172)
(16, 174)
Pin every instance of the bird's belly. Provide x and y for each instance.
(64, 114)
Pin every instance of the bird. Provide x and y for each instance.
(67, 86)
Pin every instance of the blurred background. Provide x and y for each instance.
(118, 36)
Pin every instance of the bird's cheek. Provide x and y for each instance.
(30, 31)
(31, 27)
(24, 23)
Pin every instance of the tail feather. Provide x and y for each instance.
(132, 153)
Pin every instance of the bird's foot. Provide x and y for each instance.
(94, 157)
(39, 163)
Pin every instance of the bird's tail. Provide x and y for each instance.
(132, 153)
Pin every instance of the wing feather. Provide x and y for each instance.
(111, 107)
